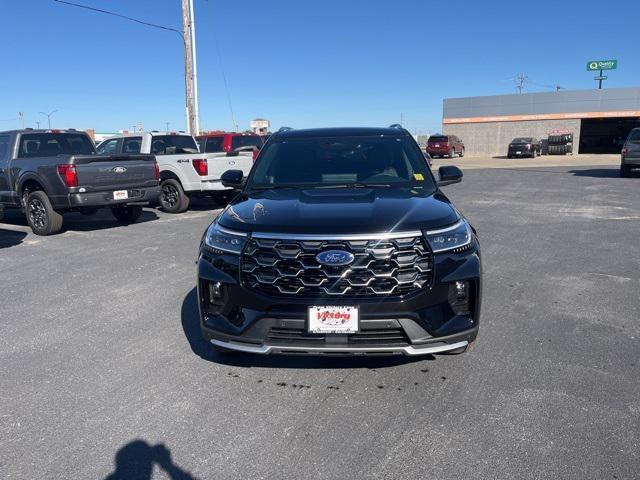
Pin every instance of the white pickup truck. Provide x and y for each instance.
(184, 172)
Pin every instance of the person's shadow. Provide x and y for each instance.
(135, 461)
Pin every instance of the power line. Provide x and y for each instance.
(224, 79)
(107, 12)
(521, 79)
(188, 42)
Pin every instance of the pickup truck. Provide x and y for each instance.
(50, 172)
(184, 171)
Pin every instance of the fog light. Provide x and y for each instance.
(459, 297)
(215, 292)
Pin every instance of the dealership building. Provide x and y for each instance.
(599, 119)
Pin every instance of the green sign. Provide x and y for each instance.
(602, 65)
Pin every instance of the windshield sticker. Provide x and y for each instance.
(418, 176)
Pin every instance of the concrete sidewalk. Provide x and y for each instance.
(543, 161)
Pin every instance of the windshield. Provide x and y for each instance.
(52, 144)
(341, 161)
(438, 139)
(522, 140)
(162, 144)
(634, 136)
(245, 141)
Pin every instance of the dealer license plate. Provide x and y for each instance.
(333, 319)
(120, 195)
(518, 153)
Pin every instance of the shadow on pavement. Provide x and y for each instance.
(202, 348)
(10, 238)
(600, 172)
(136, 459)
(77, 222)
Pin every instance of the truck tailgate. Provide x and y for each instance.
(221, 162)
(115, 172)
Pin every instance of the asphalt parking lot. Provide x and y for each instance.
(102, 370)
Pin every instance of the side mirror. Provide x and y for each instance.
(449, 174)
(232, 179)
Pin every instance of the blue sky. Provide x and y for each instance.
(299, 63)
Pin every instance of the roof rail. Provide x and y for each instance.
(284, 129)
(396, 125)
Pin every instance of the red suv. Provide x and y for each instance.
(213, 142)
(445, 145)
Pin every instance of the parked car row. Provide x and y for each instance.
(48, 173)
(187, 168)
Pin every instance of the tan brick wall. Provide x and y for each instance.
(493, 138)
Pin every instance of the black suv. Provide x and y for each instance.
(630, 155)
(340, 241)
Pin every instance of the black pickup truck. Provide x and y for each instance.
(50, 172)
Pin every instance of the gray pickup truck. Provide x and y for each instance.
(50, 172)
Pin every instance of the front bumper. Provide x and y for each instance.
(105, 198)
(419, 323)
(630, 161)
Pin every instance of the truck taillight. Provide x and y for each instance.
(200, 164)
(156, 170)
(255, 154)
(68, 174)
(624, 150)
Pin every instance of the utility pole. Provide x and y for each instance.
(167, 124)
(38, 124)
(188, 68)
(21, 115)
(521, 78)
(196, 111)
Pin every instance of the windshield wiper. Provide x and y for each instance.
(274, 187)
(354, 185)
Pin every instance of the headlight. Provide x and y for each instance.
(220, 238)
(456, 236)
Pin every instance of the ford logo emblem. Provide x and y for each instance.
(118, 169)
(335, 257)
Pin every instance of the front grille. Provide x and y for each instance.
(378, 336)
(382, 267)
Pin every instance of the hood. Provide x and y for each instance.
(340, 211)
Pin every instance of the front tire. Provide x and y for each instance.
(452, 153)
(534, 154)
(127, 213)
(41, 216)
(462, 153)
(173, 199)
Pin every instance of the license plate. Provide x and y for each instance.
(120, 195)
(333, 319)
(436, 145)
(518, 153)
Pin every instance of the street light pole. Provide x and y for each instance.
(48, 115)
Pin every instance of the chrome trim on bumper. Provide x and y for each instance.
(408, 350)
